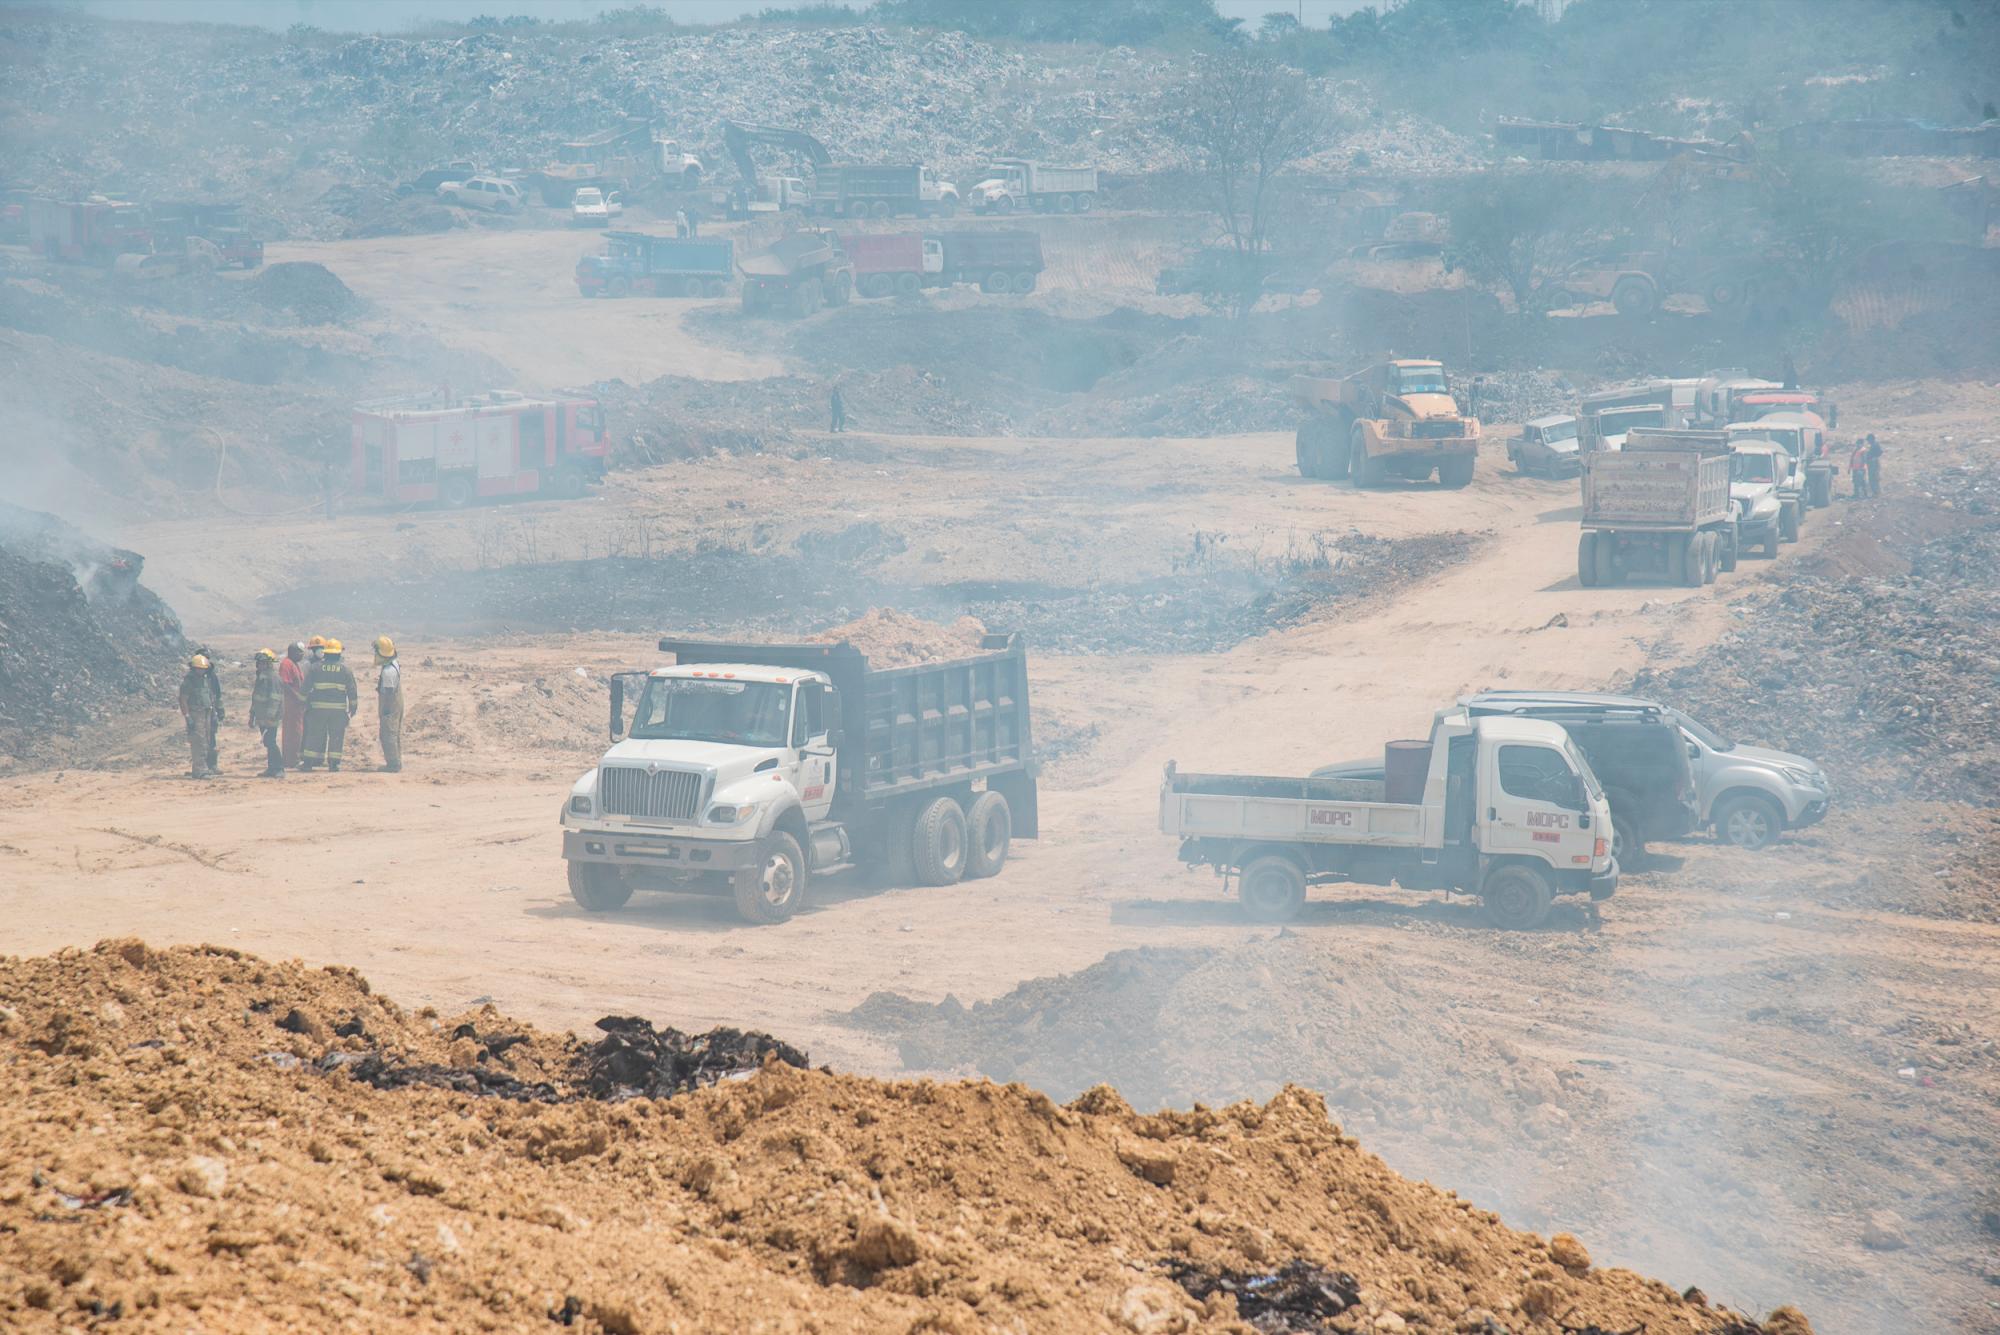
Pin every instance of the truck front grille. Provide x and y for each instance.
(667, 795)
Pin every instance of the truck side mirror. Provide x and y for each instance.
(617, 708)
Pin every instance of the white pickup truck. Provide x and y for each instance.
(1503, 808)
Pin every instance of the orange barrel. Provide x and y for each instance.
(1404, 765)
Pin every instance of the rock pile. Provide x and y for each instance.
(253, 1185)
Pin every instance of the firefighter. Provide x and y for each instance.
(267, 711)
(292, 678)
(389, 703)
(201, 706)
(315, 650)
(332, 697)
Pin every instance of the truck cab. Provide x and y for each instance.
(716, 756)
(1803, 437)
(1757, 471)
(1547, 446)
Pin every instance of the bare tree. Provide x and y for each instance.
(1238, 120)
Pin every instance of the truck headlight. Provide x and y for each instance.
(725, 814)
(579, 806)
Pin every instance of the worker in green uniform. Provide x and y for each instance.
(332, 697)
(201, 706)
(267, 711)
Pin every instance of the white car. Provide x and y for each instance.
(483, 192)
(591, 207)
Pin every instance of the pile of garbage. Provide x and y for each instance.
(1886, 678)
(312, 132)
(635, 1060)
(787, 1199)
(1514, 396)
(80, 638)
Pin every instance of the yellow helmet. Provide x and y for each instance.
(199, 662)
(266, 656)
(316, 642)
(384, 647)
(333, 646)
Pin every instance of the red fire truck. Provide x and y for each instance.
(433, 447)
(93, 230)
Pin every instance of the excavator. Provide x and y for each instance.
(757, 194)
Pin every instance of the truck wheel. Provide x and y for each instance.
(1086, 201)
(1024, 283)
(994, 282)
(1628, 842)
(1684, 559)
(1635, 298)
(1726, 541)
(456, 491)
(1608, 573)
(1750, 821)
(1586, 560)
(1516, 897)
(716, 287)
(691, 287)
(939, 845)
(1455, 473)
(1004, 204)
(619, 287)
(772, 888)
(1711, 561)
(1361, 470)
(880, 209)
(1305, 450)
(596, 887)
(876, 285)
(1272, 888)
(843, 291)
(1788, 522)
(989, 828)
(1065, 203)
(908, 284)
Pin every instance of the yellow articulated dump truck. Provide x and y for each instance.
(1397, 420)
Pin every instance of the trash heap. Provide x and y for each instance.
(254, 1182)
(1885, 678)
(312, 131)
(80, 638)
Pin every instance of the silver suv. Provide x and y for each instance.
(1747, 794)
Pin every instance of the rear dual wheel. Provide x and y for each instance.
(1516, 897)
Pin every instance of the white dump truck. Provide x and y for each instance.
(748, 769)
(1503, 808)
(1660, 507)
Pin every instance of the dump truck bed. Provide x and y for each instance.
(1242, 807)
(1667, 480)
(908, 729)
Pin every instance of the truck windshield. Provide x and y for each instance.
(1708, 737)
(1582, 767)
(1751, 468)
(1618, 421)
(1560, 431)
(681, 709)
(1420, 380)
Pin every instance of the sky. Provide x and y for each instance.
(394, 15)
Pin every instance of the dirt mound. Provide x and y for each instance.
(897, 639)
(310, 291)
(251, 1178)
(79, 637)
(465, 708)
(1883, 649)
(1149, 1021)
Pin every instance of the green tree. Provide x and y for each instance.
(1239, 119)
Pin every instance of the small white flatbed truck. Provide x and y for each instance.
(1503, 808)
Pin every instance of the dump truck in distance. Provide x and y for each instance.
(1397, 419)
(1503, 808)
(998, 259)
(1660, 507)
(750, 769)
(1017, 183)
(93, 231)
(639, 264)
(854, 190)
(888, 263)
(798, 275)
